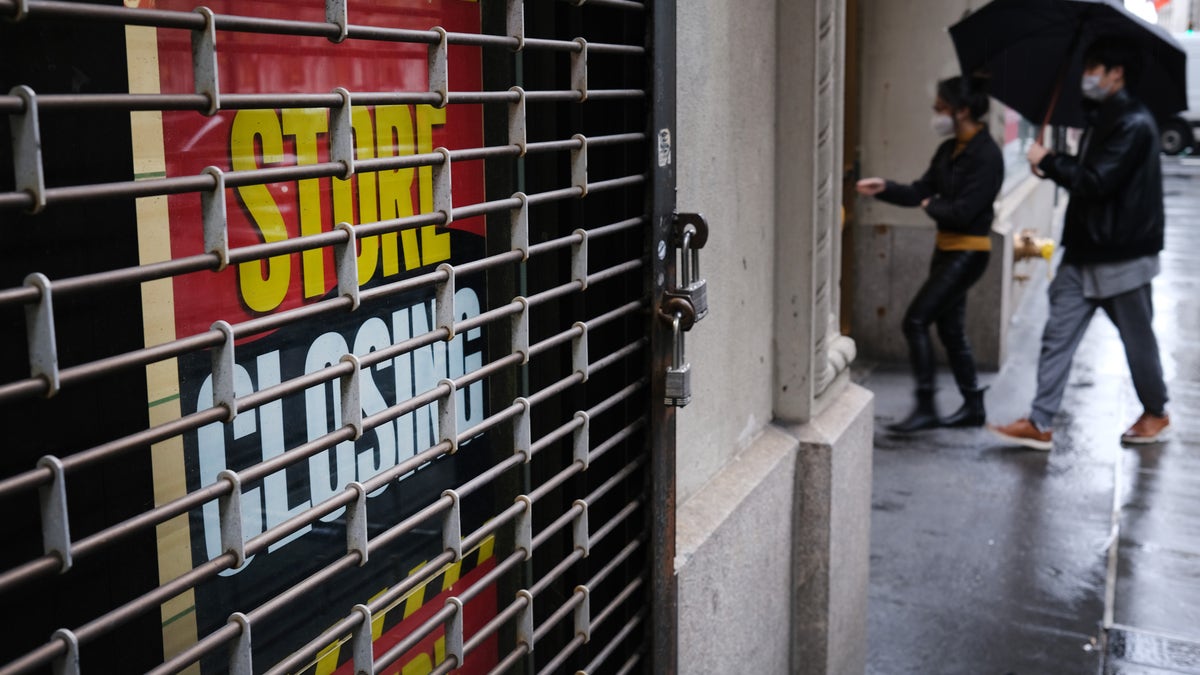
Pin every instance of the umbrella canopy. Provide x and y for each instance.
(1033, 50)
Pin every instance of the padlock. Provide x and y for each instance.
(678, 390)
(692, 287)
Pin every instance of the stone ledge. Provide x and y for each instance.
(715, 502)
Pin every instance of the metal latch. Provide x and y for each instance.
(691, 233)
(678, 386)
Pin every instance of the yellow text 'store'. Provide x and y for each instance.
(259, 137)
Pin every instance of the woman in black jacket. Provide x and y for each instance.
(957, 191)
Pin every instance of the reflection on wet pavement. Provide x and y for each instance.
(1157, 570)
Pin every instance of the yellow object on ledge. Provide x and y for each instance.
(1026, 245)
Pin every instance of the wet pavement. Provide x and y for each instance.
(993, 559)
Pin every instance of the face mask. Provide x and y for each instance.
(1092, 89)
(942, 125)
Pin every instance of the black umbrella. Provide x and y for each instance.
(1033, 52)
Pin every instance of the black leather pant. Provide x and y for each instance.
(943, 300)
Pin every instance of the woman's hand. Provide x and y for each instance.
(870, 186)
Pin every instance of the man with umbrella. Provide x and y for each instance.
(1111, 239)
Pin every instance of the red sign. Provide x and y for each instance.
(252, 63)
(281, 137)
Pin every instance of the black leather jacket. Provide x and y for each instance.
(1116, 207)
(962, 189)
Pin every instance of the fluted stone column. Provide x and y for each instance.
(811, 353)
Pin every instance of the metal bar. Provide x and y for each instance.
(316, 580)
(614, 139)
(614, 94)
(612, 442)
(207, 261)
(198, 102)
(491, 474)
(605, 230)
(618, 355)
(618, 397)
(621, 597)
(514, 657)
(625, 472)
(618, 560)
(615, 271)
(618, 4)
(660, 517)
(37, 477)
(553, 244)
(564, 610)
(564, 519)
(209, 645)
(554, 436)
(554, 293)
(492, 152)
(484, 264)
(554, 96)
(146, 437)
(301, 657)
(556, 388)
(44, 566)
(555, 340)
(554, 574)
(562, 431)
(94, 12)
(603, 656)
(37, 386)
(489, 316)
(490, 369)
(507, 565)
(554, 146)
(612, 524)
(489, 629)
(194, 500)
(48, 564)
(615, 183)
(632, 661)
(153, 599)
(412, 639)
(499, 520)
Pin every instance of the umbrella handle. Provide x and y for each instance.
(1062, 75)
(1050, 110)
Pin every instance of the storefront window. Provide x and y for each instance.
(1018, 136)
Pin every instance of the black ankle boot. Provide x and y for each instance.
(971, 414)
(924, 416)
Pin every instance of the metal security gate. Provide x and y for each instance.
(333, 336)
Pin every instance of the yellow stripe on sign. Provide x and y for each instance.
(451, 575)
(327, 659)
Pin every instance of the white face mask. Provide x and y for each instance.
(942, 125)
(1092, 89)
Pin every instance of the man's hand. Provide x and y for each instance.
(870, 186)
(1037, 152)
(925, 202)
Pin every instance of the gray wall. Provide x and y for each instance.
(759, 501)
(726, 120)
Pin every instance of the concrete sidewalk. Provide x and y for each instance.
(992, 559)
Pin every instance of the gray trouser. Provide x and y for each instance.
(1070, 312)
